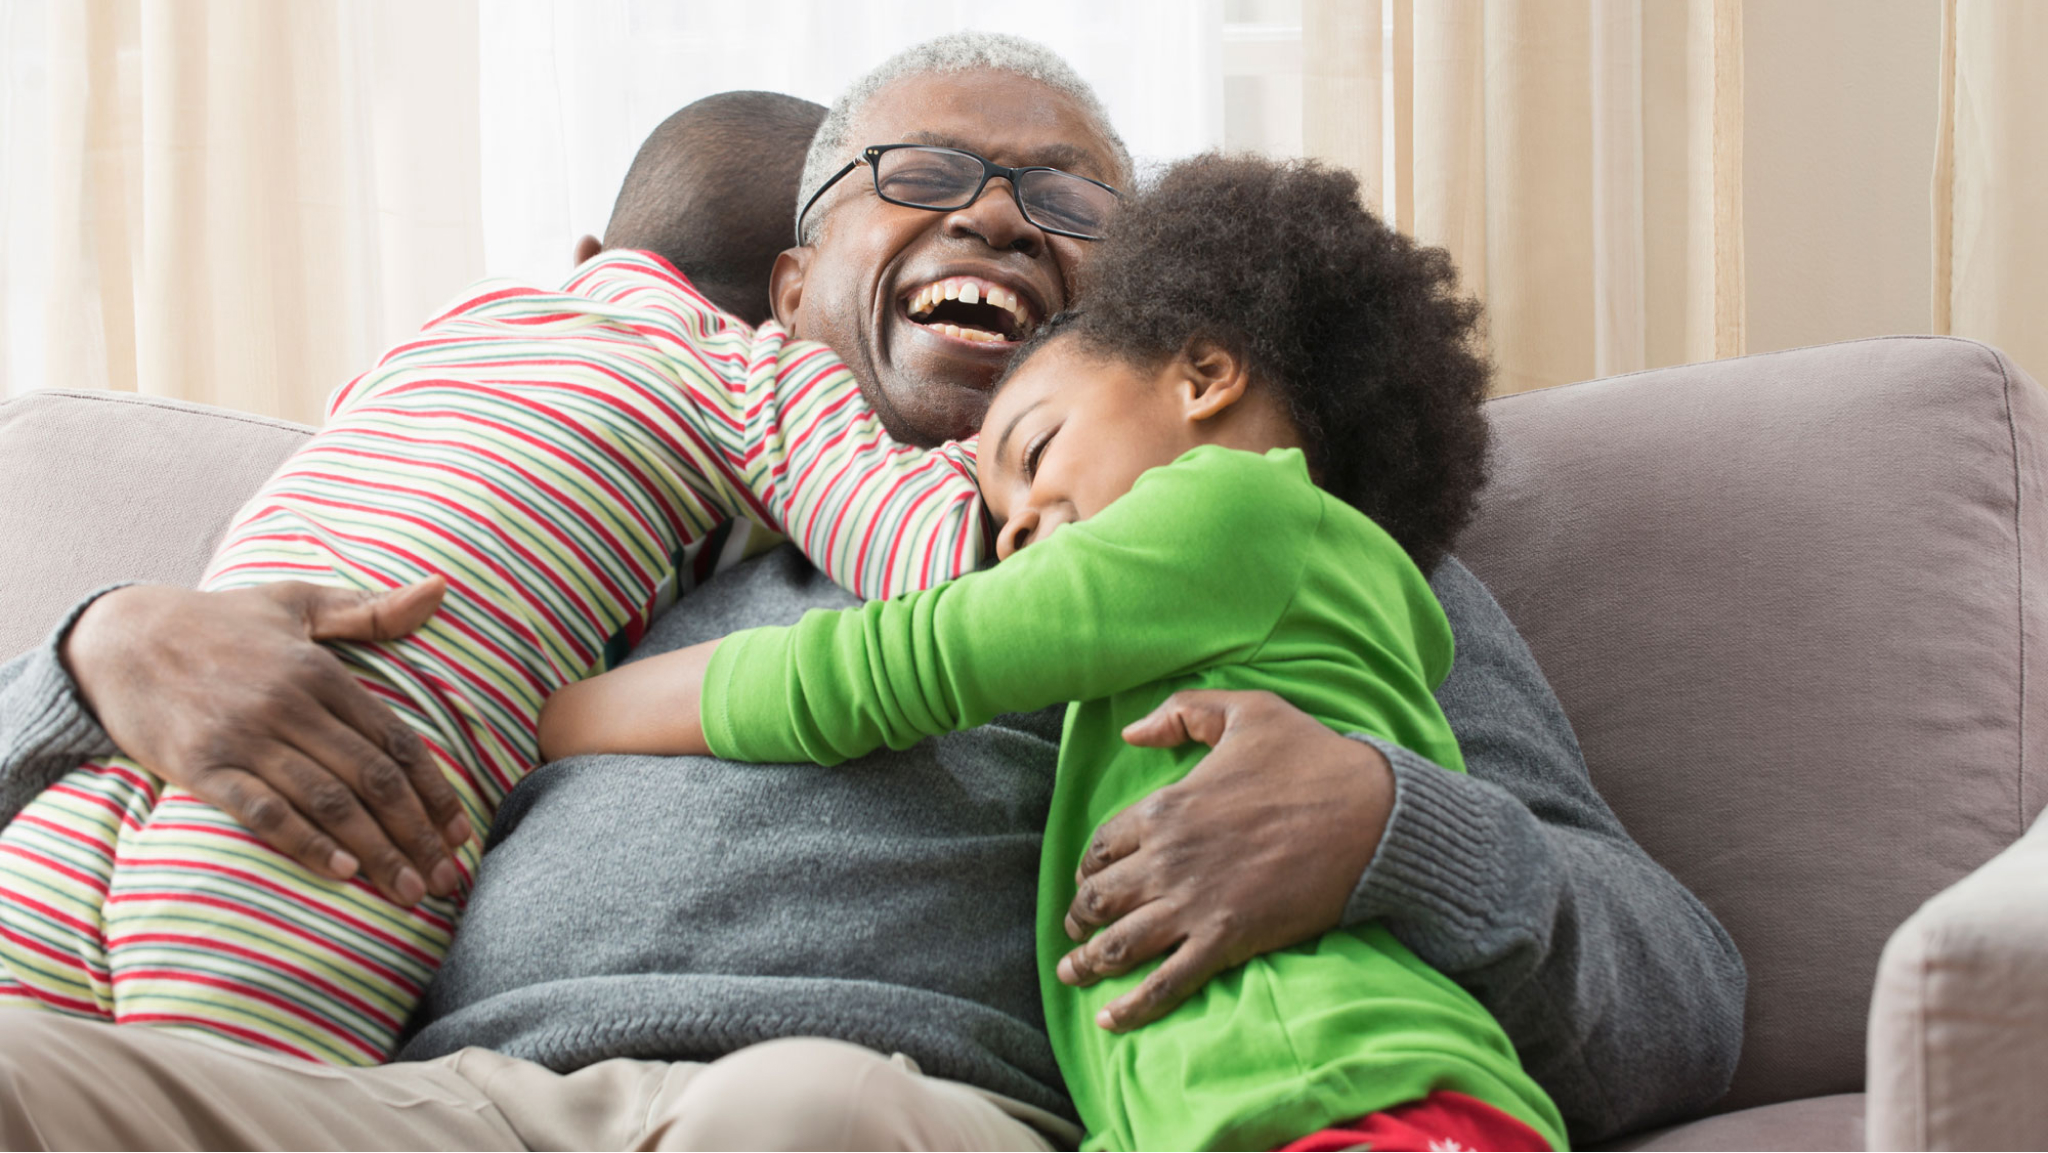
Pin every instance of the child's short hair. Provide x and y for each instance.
(710, 192)
(1359, 329)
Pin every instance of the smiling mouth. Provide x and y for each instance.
(971, 309)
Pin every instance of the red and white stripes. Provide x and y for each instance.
(570, 461)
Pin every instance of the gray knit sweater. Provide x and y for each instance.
(681, 908)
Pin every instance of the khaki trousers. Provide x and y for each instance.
(72, 1084)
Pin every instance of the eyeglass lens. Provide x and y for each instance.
(940, 178)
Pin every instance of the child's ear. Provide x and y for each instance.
(1214, 375)
(786, 286)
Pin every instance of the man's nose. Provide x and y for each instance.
(994, 217)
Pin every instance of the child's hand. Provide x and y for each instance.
(648, 706)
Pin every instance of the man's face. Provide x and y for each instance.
(872, 263)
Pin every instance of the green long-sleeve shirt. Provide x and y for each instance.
(1225, 570)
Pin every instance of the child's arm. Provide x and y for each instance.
(1191, 568)
(786, 440)
(775, 431)
(878, 517)
(648, 706)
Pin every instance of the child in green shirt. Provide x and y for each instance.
(1227, 470)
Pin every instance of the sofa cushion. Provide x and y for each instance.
(1790, 604)
(105, 486)
(1813, 1123)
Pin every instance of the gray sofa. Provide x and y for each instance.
(1793, 604)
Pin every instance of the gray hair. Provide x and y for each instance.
(954, 52)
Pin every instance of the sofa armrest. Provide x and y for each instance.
(1958, 1040)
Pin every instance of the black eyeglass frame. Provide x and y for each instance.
(872, 154)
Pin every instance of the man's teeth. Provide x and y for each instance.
(971, 333)
(968, 290)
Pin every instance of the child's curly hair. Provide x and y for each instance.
(1357, 327)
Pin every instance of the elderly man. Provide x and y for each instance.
(707, 955)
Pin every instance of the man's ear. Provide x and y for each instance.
(1213, 376)
(587, 247)
(786, 286)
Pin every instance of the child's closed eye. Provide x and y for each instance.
(1037, 449)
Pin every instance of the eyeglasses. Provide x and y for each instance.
(944, 179)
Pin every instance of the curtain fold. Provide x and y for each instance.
(1448, 185)
(249, 199)
(1341, 53)
(1539, 189)
(1620, 317)
(1991, 164)
(1715, 64)
(1581, 161)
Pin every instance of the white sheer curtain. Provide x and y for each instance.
(24, 192)
(232, 202)
(241, 202)
(570, 87)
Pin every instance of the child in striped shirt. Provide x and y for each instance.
(1227, 470)
(568, 461)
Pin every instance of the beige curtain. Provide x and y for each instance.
(1990, 191)
(1635, 183)
(251, 198)
(1580, 159)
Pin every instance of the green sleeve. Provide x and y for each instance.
(1191, 568)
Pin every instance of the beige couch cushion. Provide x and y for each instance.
(1814, 1123)
(1791, 605)
(104, 486)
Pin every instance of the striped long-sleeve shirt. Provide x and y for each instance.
(569, 460)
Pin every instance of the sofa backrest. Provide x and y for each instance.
(104, 486)
(1793, 604)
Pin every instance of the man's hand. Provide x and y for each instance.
(1256, 849)
(229, 696)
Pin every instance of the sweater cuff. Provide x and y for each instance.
(44, 723)
(1434, 863)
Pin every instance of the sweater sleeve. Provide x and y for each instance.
(1622, 993)
(45, 728)
(1098, 607)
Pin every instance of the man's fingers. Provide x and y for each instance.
(323, 800)
(1105, 896)
(333, 614)
(394, 813)
(1117, 838)
(1122, 947)
(244, 796)
(1165, 987)
(421, 781)
(1196, 715)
